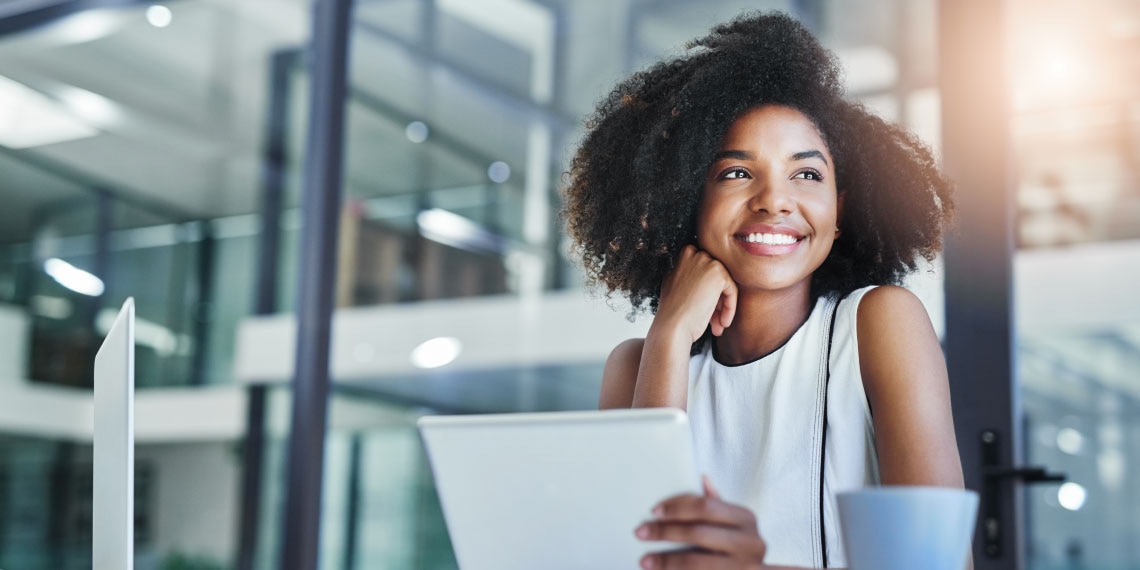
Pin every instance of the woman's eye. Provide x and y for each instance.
(734, 173)
(809, 175)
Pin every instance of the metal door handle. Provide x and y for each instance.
(1035, 474)
(993, 473)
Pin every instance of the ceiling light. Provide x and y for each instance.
(416, 131)
(85, 26)
(499, 172)
(29, 118)
(159, 16)
(1070, 441)
(93, 107)
(454, 230)
(436, 352)
(1071, 496)
(73, 277)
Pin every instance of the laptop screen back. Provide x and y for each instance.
(113, 473)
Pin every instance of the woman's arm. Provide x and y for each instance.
(904, 374)
(654, 372)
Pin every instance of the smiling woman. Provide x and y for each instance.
(766, 222)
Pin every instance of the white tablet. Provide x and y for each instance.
(557, 490)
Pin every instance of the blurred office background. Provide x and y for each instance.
(146, 148)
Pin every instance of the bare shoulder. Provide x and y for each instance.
(890, 304)
(620, 375)
(896, 338)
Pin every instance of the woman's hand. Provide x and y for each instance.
(699, 293)
(654, 373)
(723, 535)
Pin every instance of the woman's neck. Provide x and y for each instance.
(764, 321)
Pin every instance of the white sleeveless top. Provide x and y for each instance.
(757, 433)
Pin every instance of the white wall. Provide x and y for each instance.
(496, 332)
(196, 498)
(1079, 287)
(161, 414)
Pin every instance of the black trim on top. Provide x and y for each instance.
(823, 445)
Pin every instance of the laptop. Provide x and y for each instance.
(557, 490)
(113, 469)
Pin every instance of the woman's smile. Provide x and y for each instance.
(767, 240)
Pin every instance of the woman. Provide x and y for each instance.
(767, 222)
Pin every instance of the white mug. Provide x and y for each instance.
(906, 528)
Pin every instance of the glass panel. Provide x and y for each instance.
(158, 264)
(63, 289)
(172, 137)
(131, 149)
(1082, 411)
(31, 512)
(45, 502)
(1075, 121)
(379, 507)
(1075, 126)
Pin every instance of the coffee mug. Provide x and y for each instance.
(905, 528)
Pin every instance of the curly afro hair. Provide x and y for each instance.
(636, 181)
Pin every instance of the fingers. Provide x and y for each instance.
(728, 302)
(710, 491)
(733, 541)
(724, 535)
(689, 559)
(704, 508)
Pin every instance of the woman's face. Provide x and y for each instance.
(769, 211)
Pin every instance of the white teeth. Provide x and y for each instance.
(770, 239)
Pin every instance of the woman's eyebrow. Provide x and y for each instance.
(809, 154)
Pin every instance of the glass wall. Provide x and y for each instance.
(1076, 129)
(130, 140)
(131, 164)
(379, 507)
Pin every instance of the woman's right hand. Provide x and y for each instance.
(698, 293)
(723, 535)
(654, 373)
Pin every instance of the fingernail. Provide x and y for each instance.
(647, 562)
(642, 531)
(658, 511)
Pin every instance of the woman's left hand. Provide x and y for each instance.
(723, 535)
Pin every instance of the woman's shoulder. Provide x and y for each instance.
(897, 342)
(885, 306)
(620, 374)
(625, 352)
(870, 317)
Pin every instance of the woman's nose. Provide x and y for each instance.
(771, 196)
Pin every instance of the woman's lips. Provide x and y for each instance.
(763, 239)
